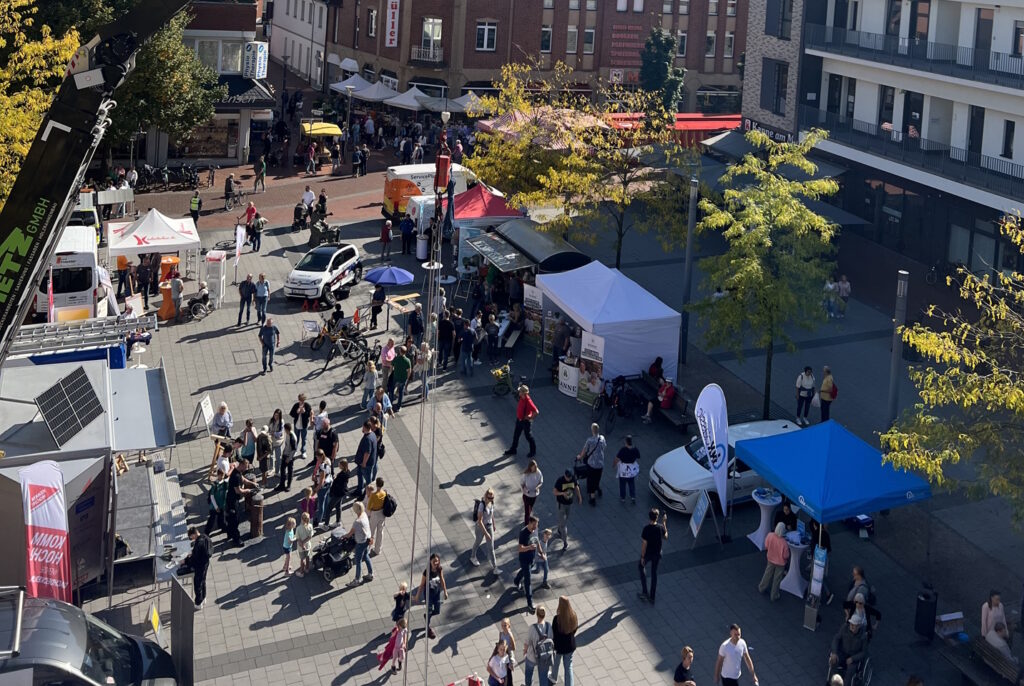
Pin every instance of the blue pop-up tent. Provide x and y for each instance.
(830, 473)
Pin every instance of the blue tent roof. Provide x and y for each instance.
(831, 473)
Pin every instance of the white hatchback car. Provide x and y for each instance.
(323, 271)
(678, 476)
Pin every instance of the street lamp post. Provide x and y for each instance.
(900, 318)
(691, 229)
(348, 119)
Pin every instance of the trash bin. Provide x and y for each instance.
(422, 247)
(924, 619)
(256, 518)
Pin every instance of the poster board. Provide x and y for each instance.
(700, 512)
(591, 368)
(533, 308)
(550, 323)
(568, 379)
(203, 413)
(813, 601)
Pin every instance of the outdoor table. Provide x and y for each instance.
(793, 582)
(166, 311)
(767, 500)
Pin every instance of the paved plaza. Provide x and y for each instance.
(260, 627)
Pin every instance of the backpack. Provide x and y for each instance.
(476, 510)
(544, 648)
(835, 390)
(390, 505)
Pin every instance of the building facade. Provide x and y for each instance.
(921, 100)
(298, 37)
(453, 46)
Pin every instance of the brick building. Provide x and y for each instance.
(453, 46)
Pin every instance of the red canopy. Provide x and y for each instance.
(479, 202)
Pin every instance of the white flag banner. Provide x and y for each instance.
(713, 425)
(239, 241)
(391, 24)
(47, 551)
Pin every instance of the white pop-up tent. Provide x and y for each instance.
(357, 82)
(378, 92)
(408, 100)
(152, 232)
(635, 325)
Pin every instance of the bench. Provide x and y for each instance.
(999, 663)
(647, 387)
(511, 342)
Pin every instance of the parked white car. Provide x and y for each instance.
(678, 476)
(323, 271)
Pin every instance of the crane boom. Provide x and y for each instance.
(54, 169)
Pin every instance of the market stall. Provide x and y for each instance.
(409, 100)
(322, 135)
(357, 82)
(377, 92)
(635, 326)
(519, 243)
(152, 232)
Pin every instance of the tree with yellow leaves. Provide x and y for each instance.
(970, 405)
(28, 70)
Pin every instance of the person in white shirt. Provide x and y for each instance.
(731, 655)
(997, 638)
(318, 420)
(805, 385)
(361, 531)
(308, 198)
(497, 666)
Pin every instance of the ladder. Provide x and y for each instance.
(87, 333)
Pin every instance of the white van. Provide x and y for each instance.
(409, 180)
(76, 279)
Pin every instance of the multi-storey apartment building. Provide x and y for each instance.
(922, 100)
(298, 37)
(453, 46)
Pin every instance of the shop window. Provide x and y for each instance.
(983, 253)
(209, 53)
(545, 38)
(320, 18)
(215, 139)
(230, 58)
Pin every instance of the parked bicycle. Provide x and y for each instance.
(356, 377)
(616, 399)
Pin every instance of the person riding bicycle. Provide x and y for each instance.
(229, 190)
(849, 646)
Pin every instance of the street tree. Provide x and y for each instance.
(28, 68)
(778, 252)
(970, 406)
(658, 73)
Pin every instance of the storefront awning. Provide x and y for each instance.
(245, 94)
(500, 252)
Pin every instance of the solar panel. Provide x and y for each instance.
(69, 406)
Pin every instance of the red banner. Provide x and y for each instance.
(48, 553)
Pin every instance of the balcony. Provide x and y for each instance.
(996, 68)
(432, 54)
(993, 174)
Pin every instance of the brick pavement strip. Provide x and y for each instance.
(259, 627)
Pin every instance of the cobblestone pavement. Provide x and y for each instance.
(260, 627)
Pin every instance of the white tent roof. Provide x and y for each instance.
(408, 100)
(356, 81)
(636, 326)
(152, 232)
(378, 92)
(453, 105)
(469, 101)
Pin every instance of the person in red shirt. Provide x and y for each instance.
(666, 394)
(526, 411)
(777, 554)
(385, 240)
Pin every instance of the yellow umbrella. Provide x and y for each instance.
(320, 128)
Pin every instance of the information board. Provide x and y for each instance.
(700, 512)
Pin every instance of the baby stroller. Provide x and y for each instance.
(299, 216)
(334, 555)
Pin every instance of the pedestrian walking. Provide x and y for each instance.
(324, 479)
(483, 526)
(270, 338)
(238, 487)
(563, 635)
(445, 339)
(366, 458)
(301, 413)
(590, 463)
(731, 655)
(304, 542)
(530, 482)
(337, 492)
(143, 275)
(433, 587)
(327, 439)
(199, 560)
(376, 305)
(288, 543)
(683, 676)
(540, 563)
(177, 291)
(289, 447)
(567, 491)
(467, 339)
(260, 170)
(401, 367)
(843, 289)
(385, 240)
(320, 417)
(262, 297)
(369, 382)
(497, 666)
(415, 327)
(526, 412)
(423, 366)
(505, 636)
(276, 427)
(527, 554)
(396, 648)
(311, 158)
(246, 294)
(360, 531)
(375, 497)
(538, 650)
(363, 159)
(407, 228)
(259, 223)
(828, 393)
(627, 467)
(335, 157)
(804, 395)
(356, 156)
(651, 538)
(195, 206)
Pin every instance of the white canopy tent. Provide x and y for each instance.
(378, 92)
(408, 100)
(466, 103)
(356, 81)
(635, 325)
(152, 232)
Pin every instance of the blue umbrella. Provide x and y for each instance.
(389, 276)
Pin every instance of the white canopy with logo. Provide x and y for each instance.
(152, 232)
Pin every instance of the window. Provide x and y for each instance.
(303, 10)
(1018, 39)
(209, 53)
(709, 44)
(549, 4)
(431, 38)
(778, 18)
(486, 36)
(730, 8)
(666, 7)
(892, 22)
(371, 23)
(712, 7)
(622, 5)
(574, 4)
(681, 44)
(591, 4)
(545, 38)
(288, 8)
(572, 39)
(588, 41)
(230, 57)
(684, 6)
(1008, 127)
(638, 5)
(774, 81)
(320, 19)
(730, 42)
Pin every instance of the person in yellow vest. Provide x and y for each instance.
(375, 495)
(827, 394)
(195, 206)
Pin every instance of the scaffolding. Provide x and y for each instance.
(103, 332)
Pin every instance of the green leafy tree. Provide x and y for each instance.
(657, 73)
(970, 405)
(28, 68)
(778, 255)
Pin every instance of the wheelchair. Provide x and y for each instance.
(859, 675)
